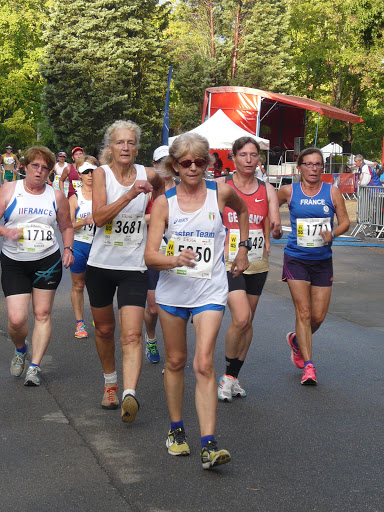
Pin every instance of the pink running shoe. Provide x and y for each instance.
(309, 375)
(296, 357)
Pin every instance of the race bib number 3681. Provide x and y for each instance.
(204, 249)
(125, 230)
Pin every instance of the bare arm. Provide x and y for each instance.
(103, 212)
(156, 181)
(63, 177)
(65, 225)
(284, 194)
(158, 224)
(228, 197)
(343, 221)
(6, 192)
(273, 211)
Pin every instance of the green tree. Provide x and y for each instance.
(21, 26)
(104, 61)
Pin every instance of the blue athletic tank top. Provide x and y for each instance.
(302, 206)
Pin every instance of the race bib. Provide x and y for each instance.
(309, 232)
(76, 184)
(36, 237)
(125, 230)
(85, 233)
(256, 236)
(204, 249)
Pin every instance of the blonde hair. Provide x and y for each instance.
(192, 143)
(104, 156)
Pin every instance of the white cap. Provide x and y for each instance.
(160, 153)
(86, 166)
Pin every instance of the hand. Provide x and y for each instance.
(326, 236)
(268, 247)
(89, 220)
(140, 186)
(186, 258)
(13, 233)
(241, 262)
(276, 230)
(68, 258)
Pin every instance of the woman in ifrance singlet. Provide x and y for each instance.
(307, 265)
(30, 260)
(193, 281)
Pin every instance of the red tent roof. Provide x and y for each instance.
(296, 101)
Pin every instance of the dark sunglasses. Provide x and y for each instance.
(87, 171)
(199, 162)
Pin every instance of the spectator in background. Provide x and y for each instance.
(368, 175)
(377, 167)
(217, 166)
(347, 169)
(260, 172)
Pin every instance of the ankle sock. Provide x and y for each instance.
(22, 350)
(306, 363)
(79, 321)
(110, 378)
(294, 341)
(204, 440)
(151, 340)
(129, 392)
(32, 365)
(177, 424)
(233, 366)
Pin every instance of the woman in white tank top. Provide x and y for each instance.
(30, 259)
(116, 260)
(193, 281)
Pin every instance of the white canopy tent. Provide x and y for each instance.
(331, 149)
(221, 132)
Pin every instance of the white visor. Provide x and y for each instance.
(86, 166)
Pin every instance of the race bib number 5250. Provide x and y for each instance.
(204, 249)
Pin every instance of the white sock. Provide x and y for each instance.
(110, 378)
(150, 340)
(129, 392)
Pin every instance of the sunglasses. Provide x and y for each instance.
(87, 171)
(199, 162)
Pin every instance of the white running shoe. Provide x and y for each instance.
(18, 362)
(237, 390)
(32, 377)
(224, 391)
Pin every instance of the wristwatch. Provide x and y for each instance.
(246, 243)
(70, 248)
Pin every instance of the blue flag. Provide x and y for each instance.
(165, 133)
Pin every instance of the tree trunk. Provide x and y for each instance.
(236, 40)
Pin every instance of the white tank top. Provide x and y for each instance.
(120, 244)
(203, 230)
(36, 215)
(58, 169)
(84, 208)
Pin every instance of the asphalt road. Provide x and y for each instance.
(294, 448)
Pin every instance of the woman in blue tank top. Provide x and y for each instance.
(308, 266)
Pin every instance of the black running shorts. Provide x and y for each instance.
(19, 277)
(252, 284)
(101, 283)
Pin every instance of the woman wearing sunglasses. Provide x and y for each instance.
(193, 282)
(81, 216)
(307, 265)
(30, 259)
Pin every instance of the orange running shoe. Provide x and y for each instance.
(81, 331)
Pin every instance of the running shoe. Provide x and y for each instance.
(110, 399)
(224, 391)
(129, 409)
(18, 363)
(309, 376)
(296, 357)
(32, 377)
(211, 456)
(237, 390)
(151, 350)
(177, 442)
(81, 331)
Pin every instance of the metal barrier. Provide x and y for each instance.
(370, 212)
